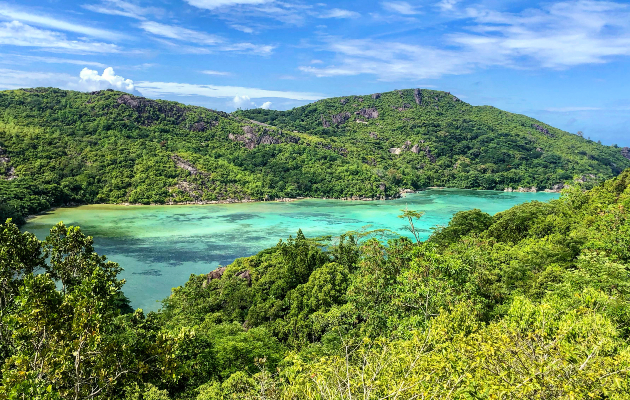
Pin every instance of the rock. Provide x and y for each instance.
(199, 127)
(325, 123)
(382, 187)
(245, 275)
(181, 163)
(543, 130)
(376, 96)
(340, 118)
(369, 113)
(395, 150)
(418, 96)
(626, 152)
(455, 99)
(360, 99)
(527, 190)
(343, 101)
(415, 149)
(373, 135)
(406, 145)
(216, 274)
(430, 156)
(508, 189)
(404, 107)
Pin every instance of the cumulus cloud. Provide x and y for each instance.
(90, 80)
(400, 7)
(266, 105)
(16, 33)
(243, 102)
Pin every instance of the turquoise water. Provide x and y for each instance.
(160, 246)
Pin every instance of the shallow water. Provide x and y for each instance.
(160, 246)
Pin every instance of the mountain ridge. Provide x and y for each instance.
(64, 147)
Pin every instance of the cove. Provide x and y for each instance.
(160, 246)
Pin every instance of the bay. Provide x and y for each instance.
(160, 246)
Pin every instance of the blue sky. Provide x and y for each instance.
(566, 63)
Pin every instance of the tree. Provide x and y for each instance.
(411, 215)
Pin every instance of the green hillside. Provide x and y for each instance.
(62, 147)
(531, 303)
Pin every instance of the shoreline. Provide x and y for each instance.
(402, 194)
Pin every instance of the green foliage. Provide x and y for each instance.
(531, 303)
(66, 147)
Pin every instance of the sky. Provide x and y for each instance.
(566, 63)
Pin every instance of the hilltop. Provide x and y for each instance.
(62, 147)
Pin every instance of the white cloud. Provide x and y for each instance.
(159, 89)
(18, 34)
(339, 13)
(447, 5)
(243, 102)
(21, 59)
(242, 28)
(400, 7)
(571, 109)
(90, 80)
(218, 73)
(10, 13)
(15, 79)
(260, 49)
(266, 105)
(123, 8)
(560, 36)
(179, 33)
(212, 4)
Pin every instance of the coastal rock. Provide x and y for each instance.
(369, 113)
(533, 189)
(626, 152)
(382, 187)
(417, 95)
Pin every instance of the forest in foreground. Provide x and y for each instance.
(61, 147)
(531, 303)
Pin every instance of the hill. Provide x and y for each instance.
(62, 147)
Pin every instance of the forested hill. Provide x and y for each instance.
(63, 147)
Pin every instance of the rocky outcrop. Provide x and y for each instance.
(181, 163)
(376, 96)
(626, 152)
(343, 101)
(214, 275)
(431, 157)
(373, 135)
(395, 150)
(404, 107)
(369, 113)
(418, 96)
(4, 162)
(246, 276)
(252, 138)
(415, 148)
(337, 119)
(543, 130)
(150, 112)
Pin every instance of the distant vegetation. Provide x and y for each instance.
(531, 303)
(62, 147)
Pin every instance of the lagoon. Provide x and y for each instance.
(160, 246)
